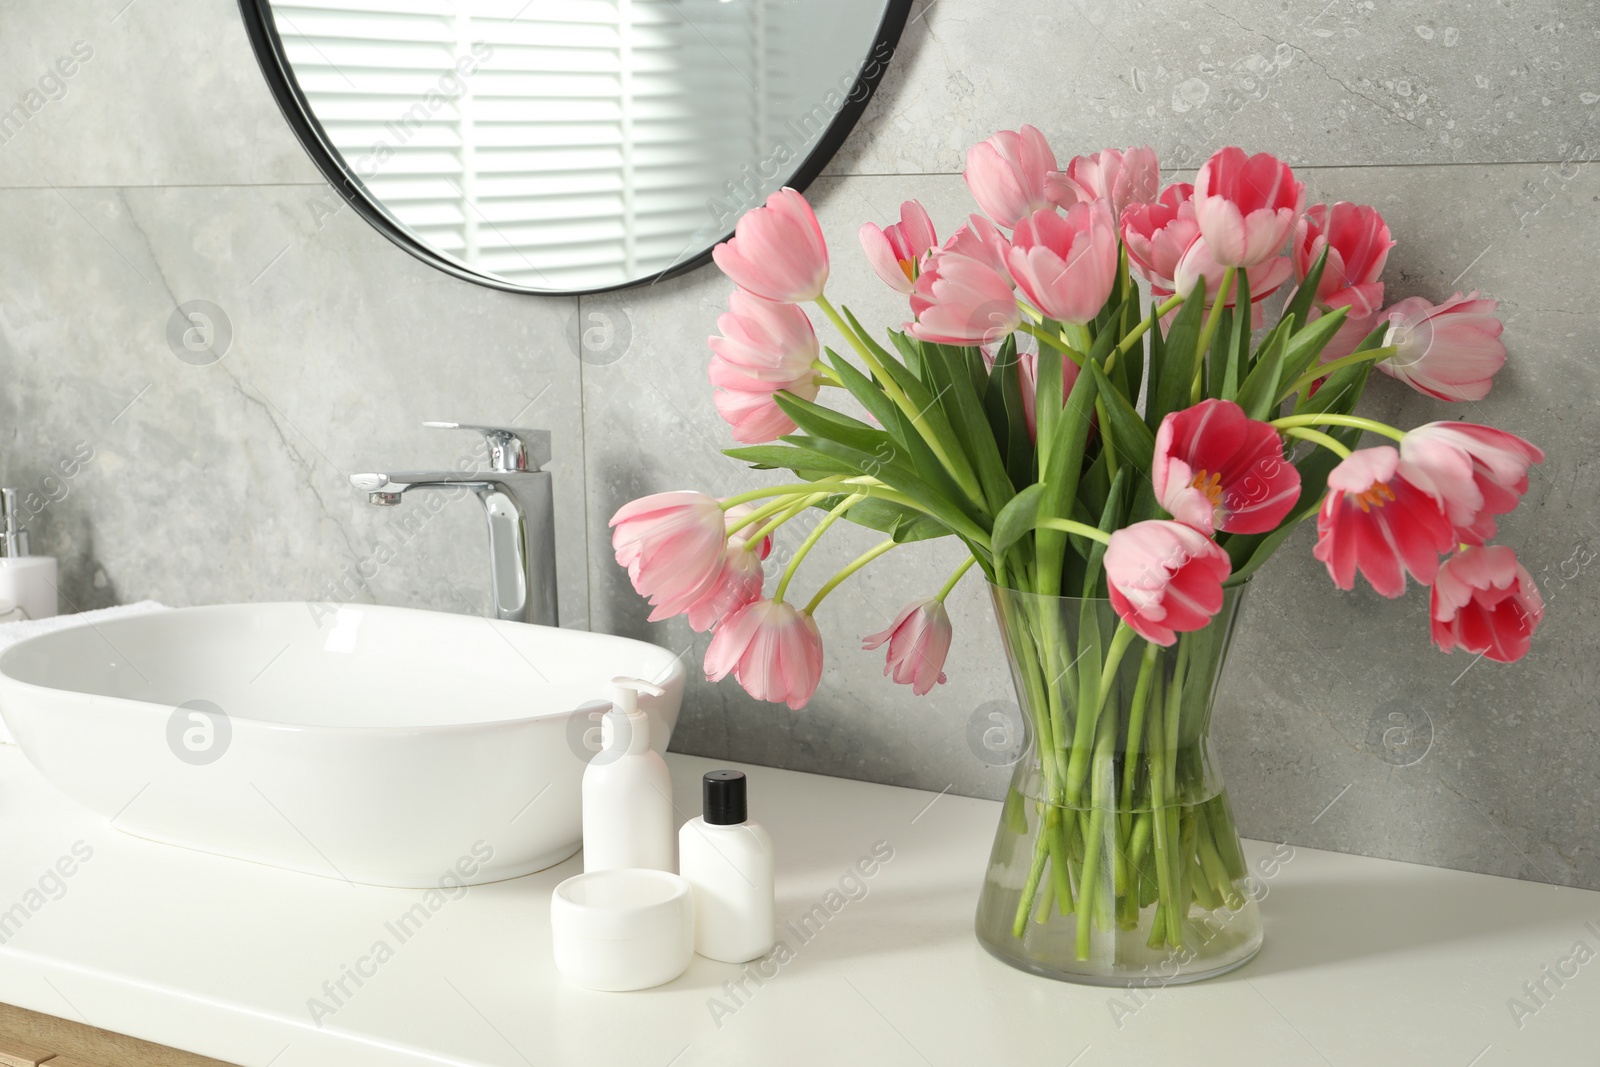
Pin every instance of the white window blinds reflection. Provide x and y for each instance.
(558, 144)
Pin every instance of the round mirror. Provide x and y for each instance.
(569, 146)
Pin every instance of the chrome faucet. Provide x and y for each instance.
(517, 501)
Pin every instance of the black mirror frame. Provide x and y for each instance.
(268, 48)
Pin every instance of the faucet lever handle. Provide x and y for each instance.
(510, 449)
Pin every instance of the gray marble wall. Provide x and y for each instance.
(163, 174)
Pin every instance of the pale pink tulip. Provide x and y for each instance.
(896, 251)
(1381, 516)
(919, 640)
(1265, 278)
(772, 649)
(1013, 174)
(1216, 468)
(740, 531)
(1357, 242)
(673, 546)
(1246, 205)
(980, 239)
(1451, 350)
(1485, 602)
(1478, 471)
(1165, 578)
(962, 301)
(765, 347)
(1066, 265)
(777, 251)
(739, 584)
(1120, 178)
(1159, 233)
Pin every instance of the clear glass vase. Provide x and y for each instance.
(1116, 861)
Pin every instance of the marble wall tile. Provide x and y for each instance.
(227, 481)
(1347, 82)
(163, 93)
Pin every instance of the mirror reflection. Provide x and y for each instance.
(563, 145)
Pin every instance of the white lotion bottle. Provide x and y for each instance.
(27, 581)
(627, 791)
(728, 861)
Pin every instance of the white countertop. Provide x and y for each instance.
(1367, 962)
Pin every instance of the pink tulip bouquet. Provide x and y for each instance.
(1118, 460)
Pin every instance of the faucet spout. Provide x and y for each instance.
(519, 508)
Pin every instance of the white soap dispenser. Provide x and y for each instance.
(627, 791)
(728, 860)
(29, 582)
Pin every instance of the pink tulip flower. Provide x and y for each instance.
(1066, 265)
(1216, 468)
(962, 301)
(673, 545)
(1451, 350)
(1485, 602)
(1265, 278)
(1013, 174)
(1246, 205)
(772, 649)
(739, 584)
(1383, 517)
(1479, 472)
(1157, 235)
(980, 239)
(919, 640)
(740, 531)
(1165, 578)
(1120, 178)
(896, 251)
(765, 347)
(777, 251)
(1357, 242)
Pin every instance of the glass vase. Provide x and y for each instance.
(1116, 861)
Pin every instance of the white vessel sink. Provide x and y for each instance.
(377, 745)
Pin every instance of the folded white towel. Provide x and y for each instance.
(12, 632)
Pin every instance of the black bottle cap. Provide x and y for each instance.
(724, 797)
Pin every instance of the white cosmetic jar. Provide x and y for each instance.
(622, 929)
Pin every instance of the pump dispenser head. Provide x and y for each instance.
(625, 728)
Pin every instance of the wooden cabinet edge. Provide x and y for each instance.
(70, 1044)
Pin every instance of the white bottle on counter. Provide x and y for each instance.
(728, 860)
(27, 581)
(627, 791)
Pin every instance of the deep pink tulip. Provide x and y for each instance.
(777, 251)
(1066, 265)
(919, 640)
(1215, 468)
(772, 649)
(1246, 205)
(739, 584)
(962, 301)
(1165, 578)
(980, 239)
(1013, 174)
(1357, 241)
(764, 347)
(1484, 601)
(1451, 350)
(1159, 233)
(673, 546)
(1120, 178)
(1478, 471)
(896, 251)
(1381, 516)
